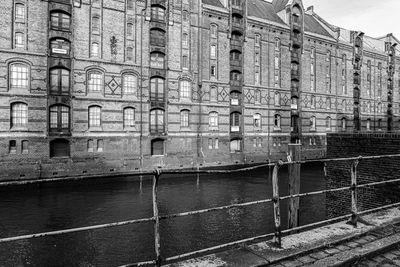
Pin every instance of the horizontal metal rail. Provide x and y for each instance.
(157, 173)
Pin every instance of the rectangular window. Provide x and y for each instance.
(19, 40)
(12, 147)
(95, 82)
(185, 63)
(19, 76)
(184, 118)
(213, 71)
(100, 145)
(210, 143)
(19, 12)
(90, 145)
(216, 143)
(25, 147)
(94, 116)
(213, 52)
(96, 25)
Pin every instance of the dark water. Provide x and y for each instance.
(48, 207)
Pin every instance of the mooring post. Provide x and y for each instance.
(353, 188)
(277, 213)
(157, 244)
(198, 175)
(141, 183)
(294, 185)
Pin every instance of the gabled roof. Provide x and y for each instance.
(216, 3)
(313, 26)
(279, 4)
(263, 10)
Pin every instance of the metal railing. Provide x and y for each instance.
(276, 235)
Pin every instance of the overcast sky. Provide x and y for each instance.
(374, 18)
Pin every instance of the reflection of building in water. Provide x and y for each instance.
(119, 85)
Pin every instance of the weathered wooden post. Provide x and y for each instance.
(294, 185)
(353, 188)
(277, 213)
(157, 244)
(141, 184)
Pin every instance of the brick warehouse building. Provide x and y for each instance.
(115, 85)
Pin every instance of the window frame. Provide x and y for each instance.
(99, 87)
(19, 117)
(61, 17)
(62, 122)
(61, 89)
(19, 78)
(185, 118)
(94, 116)
(129, 117)
(185, 90)
(129, 87)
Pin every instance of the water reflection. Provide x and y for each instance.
(57, 206)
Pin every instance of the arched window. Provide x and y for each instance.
(236, 35)
(277, 99)
(214, 30)
(213, 93)
(344, 124)
(19, 115)
(158, 13)
(129, 117)
(95, 81)
(90, 146)
(235, 119)
(185, 15)
(60, 20)
(157, 89)
(157, 121)
(185, 89)
(328, 103)
(313, 102)
(59, 118)
(19, 12)
(12, 147)
(213, 119)
(129, 53)
(328, 123)
(236, 3)
(157, 37)
(235, 55)
(19, 75)
(184, 118)
(94, 116)
(59, 81)
(185, 39)
(236, 145)
(257, 121)
(25, 147)
(344, 105)
(129, 84)
(129, 29)
(213, 51)
(379, 107)
(95, 50)
(237, 19)
(95, 25)
(277, 122)
(157, 60)
(60, 46)
(313, 123)
(19, 40)
(157, 147)
(235, 75)
(59, 148)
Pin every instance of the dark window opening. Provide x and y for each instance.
(59, 148)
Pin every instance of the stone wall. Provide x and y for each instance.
(339, 173)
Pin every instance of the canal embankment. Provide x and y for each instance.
(338, 244)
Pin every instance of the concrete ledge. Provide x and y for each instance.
(293, 246)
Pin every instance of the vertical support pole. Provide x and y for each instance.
(157, 244)
(198, 176)
(277, 212)
(354, 215)
(141, 183)
(294, 185)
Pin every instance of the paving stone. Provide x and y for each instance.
(332, 250)
(352, 244)
(294, 263)
(362, 241)
(319, 255)
(306, 259)
(390, 256)
(397, 252)
(370, 238)
(342, 247)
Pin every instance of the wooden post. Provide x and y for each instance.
(277, 213)
(294, 185)
(354, 215)
(157, 244)
(198, 176)
(141, 184)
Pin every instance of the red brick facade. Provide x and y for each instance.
(107, 41)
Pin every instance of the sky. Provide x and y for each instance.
(375, 18)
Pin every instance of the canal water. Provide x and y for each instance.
(54, 206)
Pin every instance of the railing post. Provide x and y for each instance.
(277, 213)
(157, 244)
(294, 185)
(353, 188)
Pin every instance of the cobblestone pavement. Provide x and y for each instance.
(343, 253)
(390, 258)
